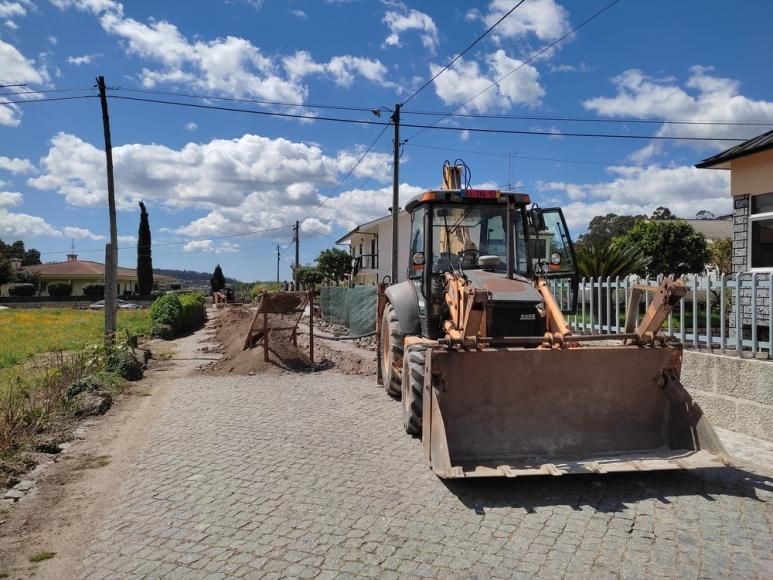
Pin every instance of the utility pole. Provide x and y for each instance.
(277, 262)
(396, 193)
(296, 237)
(111, 250)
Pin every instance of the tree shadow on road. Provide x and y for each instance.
(609, 493)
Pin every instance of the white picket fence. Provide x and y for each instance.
(601, 302)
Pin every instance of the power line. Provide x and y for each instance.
(33, 101)
(46, 91)
(422, 127)
(527, 61)
(512, 155)
(588, 119)
(461, 54)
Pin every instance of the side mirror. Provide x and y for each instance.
(537, 219)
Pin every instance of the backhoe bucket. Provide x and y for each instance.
(511, 412)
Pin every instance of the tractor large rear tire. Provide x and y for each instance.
(413, 388)
(391, 352)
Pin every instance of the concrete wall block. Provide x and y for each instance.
(720, 412)
(749, 380)
(755, 420)
(739, 239)
(741, 201)
(739, 227)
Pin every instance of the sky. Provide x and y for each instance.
(226, 186)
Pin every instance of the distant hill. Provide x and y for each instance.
(191, 278)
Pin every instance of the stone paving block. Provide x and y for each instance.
(281, 475)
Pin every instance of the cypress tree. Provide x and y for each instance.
(144, 260)
(217, 282)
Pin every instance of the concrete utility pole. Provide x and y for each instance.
(277, 262)
(111, 250)
(296, 237)
(396, 194)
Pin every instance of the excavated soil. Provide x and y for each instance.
(228, 331)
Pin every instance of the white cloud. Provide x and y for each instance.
(10, 199)
(127, 239)
(53, 40)
(209, 246)
(10, 9)
(704, 97)
(640, 190)
(228, 65)
(299, 14)
(191, 126)
(565, 68)
(81, 234)
(465, 80)
(249, 184)
(10, 25)
(545, 19)
(84, 59)
(16, 165)
(21, 226)
(342, 69)
(15, 68)
(403, 19)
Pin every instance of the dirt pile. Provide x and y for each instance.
(230, 331)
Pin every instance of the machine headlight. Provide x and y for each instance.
(555, 258)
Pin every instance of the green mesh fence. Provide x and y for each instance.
(351, 307)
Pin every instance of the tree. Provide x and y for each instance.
(309, 276)
(6, 271)
(609, 261)
(334, 264)
(217, 281)
(144, 259)
(721, 252)
(603, 229)
(663, 213)
(704, 214)
(671, 247)
(31, 258)
(28, 277)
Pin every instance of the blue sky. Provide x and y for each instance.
(226, 187)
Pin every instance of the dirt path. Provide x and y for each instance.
(74, 493)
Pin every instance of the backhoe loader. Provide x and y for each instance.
(490, 374)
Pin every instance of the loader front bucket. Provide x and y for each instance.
(512, 412)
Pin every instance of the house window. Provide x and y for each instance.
(761, 230)
(373, 253)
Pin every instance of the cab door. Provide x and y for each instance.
(553, 256)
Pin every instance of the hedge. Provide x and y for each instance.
(94, 290)
(21, 289)
(181, 312)
(59, 289)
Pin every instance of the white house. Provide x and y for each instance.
(371, 249)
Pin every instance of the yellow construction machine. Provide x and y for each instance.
(491, 376)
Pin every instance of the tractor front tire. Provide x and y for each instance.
(413, 388)
(391, 352)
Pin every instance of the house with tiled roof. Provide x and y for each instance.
(80, 273)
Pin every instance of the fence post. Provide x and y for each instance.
(638, 281)
(617, 304)
(682, 329)
(770, 315)
(695, 311)
(708, 311)
(583, 303)
(600, 306)
(738, 327)
(754, 314)
(590, 305)
(722, 313)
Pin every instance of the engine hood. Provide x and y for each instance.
(502, 289)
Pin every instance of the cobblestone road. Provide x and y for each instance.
(313, 476)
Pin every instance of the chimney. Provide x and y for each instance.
(15, 263)
(72, 257)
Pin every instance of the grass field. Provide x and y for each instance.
(26, 332)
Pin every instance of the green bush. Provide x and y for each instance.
(21, 290)
(122, 362)
(59, 289)
(181, 312)
(93, 289)
(162, 331)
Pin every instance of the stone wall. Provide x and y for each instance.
(740, 233)
(735, 394)
(741, 211)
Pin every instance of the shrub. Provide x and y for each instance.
(21, 289)
(122, 362)
(59, 289)
(181, 312)
(162, 331)
(94, 290)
